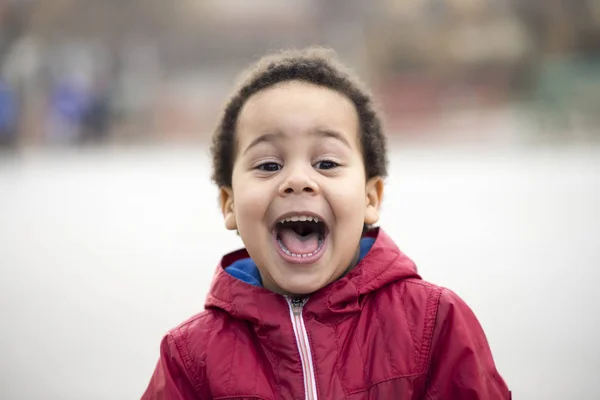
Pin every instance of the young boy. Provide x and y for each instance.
(319, 305)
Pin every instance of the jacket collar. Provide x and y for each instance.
(384, 264)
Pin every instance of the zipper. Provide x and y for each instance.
(310, 385)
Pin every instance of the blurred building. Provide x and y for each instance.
(140, 70)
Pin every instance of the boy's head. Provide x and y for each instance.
(299, 157)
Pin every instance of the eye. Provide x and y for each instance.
(269, 167)
(326, 164)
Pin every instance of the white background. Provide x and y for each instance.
(102, 251)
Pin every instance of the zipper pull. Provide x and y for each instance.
(297, 304)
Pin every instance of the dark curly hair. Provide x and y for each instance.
(315, 65)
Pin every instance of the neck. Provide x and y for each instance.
(352, 265)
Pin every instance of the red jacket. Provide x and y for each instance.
(380, 332)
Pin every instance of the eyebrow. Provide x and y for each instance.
(275, 136)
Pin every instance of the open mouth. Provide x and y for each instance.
(300, 237)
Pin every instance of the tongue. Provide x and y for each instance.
(299, 244)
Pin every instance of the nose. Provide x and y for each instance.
(297, 181)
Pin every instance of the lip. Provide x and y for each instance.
(297, 260)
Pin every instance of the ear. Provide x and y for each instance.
(374, 196)
(227, 208)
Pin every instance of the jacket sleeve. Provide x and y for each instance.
(461, 365)
(171, 379)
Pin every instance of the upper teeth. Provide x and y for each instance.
(299, 218)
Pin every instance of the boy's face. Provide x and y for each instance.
(298, 155)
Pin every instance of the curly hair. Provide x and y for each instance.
(318, 66)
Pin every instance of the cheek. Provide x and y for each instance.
(251, 200)
(349, 202)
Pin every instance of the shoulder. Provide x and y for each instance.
(438, 303)
(414, 295)
(197, 332)
(454, 347)
(181, 368)
(425, 296)
(456, 351)
(426, 309)
(188, 343)
(206, 334)
(413, 314)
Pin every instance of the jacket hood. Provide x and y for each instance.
(382, 265)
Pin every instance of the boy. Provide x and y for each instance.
(319, 305)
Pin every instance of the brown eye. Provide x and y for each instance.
(269, 167)
(326, 164)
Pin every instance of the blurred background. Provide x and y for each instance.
(109, 225)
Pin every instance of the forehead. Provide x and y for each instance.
(297, 108)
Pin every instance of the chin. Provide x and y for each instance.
(302, 287)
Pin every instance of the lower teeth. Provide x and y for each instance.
(289, 253)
